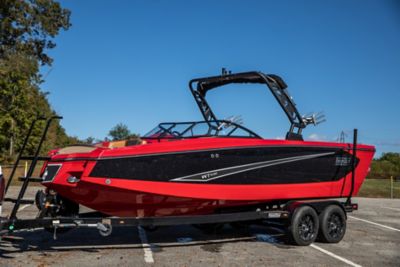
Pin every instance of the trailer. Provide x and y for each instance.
(305, 220)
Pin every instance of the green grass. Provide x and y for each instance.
(379, 188)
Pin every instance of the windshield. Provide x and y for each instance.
(219, 128)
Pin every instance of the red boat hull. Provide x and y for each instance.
(134, 197)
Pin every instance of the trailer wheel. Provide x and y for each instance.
(304, 226)
(332, 221)
(40, 199)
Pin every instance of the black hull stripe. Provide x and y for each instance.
(219, 173)
(256, 165)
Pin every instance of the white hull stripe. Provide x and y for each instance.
(219, 173)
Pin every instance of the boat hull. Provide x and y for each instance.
(198, 178)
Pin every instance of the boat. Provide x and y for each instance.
(206, 167)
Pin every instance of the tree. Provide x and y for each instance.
(90, 140)
(393, 158)
(27, 29)
(384, 167)
(28, 26)
(119, 132)
(122, 132)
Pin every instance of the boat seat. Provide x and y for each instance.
(116, 144)
(124, 143)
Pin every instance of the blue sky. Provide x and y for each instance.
(130, 62)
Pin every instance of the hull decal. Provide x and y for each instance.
(219, 173)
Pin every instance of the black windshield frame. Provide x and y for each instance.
(166, 130)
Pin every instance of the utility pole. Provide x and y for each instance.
(12, 138)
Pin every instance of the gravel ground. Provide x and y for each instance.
(372, 239)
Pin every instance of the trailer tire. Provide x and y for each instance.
(40, 199)
(332, 221)
(303, 229)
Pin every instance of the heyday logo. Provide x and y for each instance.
(209, 175)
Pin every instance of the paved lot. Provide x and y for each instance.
(372, 239)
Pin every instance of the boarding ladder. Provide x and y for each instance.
(33, 161)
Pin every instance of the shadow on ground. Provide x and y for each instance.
(89, 240)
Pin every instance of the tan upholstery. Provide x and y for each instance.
(76, 149)
(115, 144)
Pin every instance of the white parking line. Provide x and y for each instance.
(374, 223)
(335, 256)
(272, 240)
(184, 241)
(24, 207)
(148, 254)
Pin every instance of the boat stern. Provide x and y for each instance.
(67, 165)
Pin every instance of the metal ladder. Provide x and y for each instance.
(34, 160)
